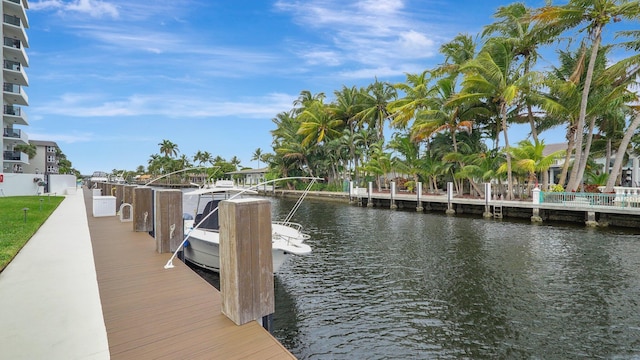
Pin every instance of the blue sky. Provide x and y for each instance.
(109, 80)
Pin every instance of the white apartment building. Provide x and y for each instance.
(14, 97)
(46, 160)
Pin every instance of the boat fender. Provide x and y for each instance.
(187, 216)
(186, 244)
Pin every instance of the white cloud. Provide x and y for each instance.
(369, 34)
(69, 138)
(94, 8)
(322, 57)
(169, 105)
(415, 44)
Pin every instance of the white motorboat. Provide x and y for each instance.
(99, 176)
(202, 244)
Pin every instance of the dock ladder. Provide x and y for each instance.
(497, 211)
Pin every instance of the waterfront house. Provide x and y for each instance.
(249, 176)
(630, 170)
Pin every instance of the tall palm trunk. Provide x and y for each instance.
(352, 151)
(571, 136)
(503, 111)
(608, 158)
(587, 149)
(532, 122)
(617, 165)
(574, 180)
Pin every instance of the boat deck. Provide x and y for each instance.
(154, 313)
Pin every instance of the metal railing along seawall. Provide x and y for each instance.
(622, 197)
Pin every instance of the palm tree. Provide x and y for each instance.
(529, 156)
(184, 161)
(202, 157)
(431, 167)
(305, 99)
(623, 71)
(515, 25)
(409, 160)
(375, 103)
(287, 144)
(493, 76)
(168, 148)
(379, 163)
(345, 108)
(417, 93)
(597, 14)
(483, 166)
(318, 124)
(445, 115)
(456, 53)
(257, 155)
(617, 165)
(236, 162)
(609, 96)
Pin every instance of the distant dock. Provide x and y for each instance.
(569, 211)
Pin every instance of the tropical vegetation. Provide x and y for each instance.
(453, 122)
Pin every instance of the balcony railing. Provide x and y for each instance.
(12, 88)
(14, 43)
(12, 110)
(11, 20)
(11, 65)
(14, 156)
(16, 135)
(12, 133)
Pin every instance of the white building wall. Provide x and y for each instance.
(29, 184)
(19, 185)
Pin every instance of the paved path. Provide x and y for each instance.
(49, 301)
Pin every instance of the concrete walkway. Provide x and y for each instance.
(49, 301)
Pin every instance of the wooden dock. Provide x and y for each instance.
(156, 313)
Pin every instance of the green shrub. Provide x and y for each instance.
(410, 185)
(557, 188)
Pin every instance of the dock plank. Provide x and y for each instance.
(152, 312)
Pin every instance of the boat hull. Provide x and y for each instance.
(205, 253)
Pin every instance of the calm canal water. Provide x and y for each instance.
(384, 284)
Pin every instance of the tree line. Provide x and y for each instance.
(452, 122)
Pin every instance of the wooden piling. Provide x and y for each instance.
(128, 193)
(103, 188)
(119, 194)
(127, 198)
(246, 265)
(143, 209)
(168, 229)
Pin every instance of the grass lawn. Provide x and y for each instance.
(14, 230)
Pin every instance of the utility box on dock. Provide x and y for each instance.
(104, 206)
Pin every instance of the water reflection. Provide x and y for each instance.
(384, 284)
(390, 284)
